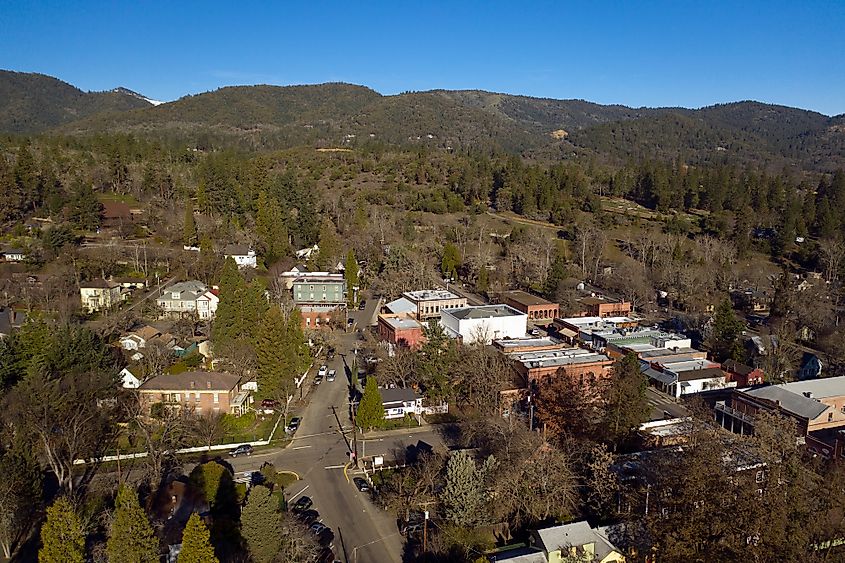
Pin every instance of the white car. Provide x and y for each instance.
(331, 376)
(323, 371)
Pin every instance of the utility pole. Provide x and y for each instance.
(425, 532)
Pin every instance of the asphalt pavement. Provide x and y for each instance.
(319, 454)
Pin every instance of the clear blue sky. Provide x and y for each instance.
(687, 53)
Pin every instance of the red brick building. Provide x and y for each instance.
(401, 330)
(203, 392)
(742, 374)
(601, 307)
(537, 308)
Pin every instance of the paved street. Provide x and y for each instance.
(319, 453)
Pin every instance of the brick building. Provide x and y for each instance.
(603, 307)
(537, 308)
(400, 330)
(203, 392)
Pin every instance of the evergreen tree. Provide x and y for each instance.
(270, 230)
(350, 274)
(85, 210)
(726, 331)
(625, 402)
(371, 408)
(296, 346)
(329, 246)
(450, 261)
(196, 543)
(20, 494)
(131, 539)
(189, 230)
(465, 496)
(275, 368)
(260, 525)
(482, 284)
(62, 535)
(240, 309)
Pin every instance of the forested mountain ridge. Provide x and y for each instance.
(336, 114)
(35, 102)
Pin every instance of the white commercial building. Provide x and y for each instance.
(484, 323)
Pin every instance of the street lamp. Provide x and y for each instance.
(448, 281)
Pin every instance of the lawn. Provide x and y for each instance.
(247, 428)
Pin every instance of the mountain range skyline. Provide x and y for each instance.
(655, 54)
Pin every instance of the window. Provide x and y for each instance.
(829, 416)
(216, 398)
(759, 477)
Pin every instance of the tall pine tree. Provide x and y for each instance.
(371, 409)
(131, 539)
(196, 543)
(350, 274)
(261, 523)
(189, 230)
(62, 535)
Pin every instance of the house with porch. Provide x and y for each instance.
(202, 392)
(99, 295)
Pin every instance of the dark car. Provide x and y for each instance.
(308, 516)
(410, 529)
(318, 528)
(244, 449)
(362, 484)
(362, 305)
(350, 322)
(302, 503)
(293, 425)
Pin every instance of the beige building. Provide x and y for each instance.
(203, 392)
(429, 302)
(98, 295)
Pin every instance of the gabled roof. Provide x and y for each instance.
(198, 380)
(790, 401)
(237, 250)
(575, 534)
(740, 369)
(98, 284)
(398, 395)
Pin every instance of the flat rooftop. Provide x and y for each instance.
(483, 312)
(552, 358)
(525, 298)
(655, 352)
(818, 388)
(402, 323)
(689, 365)
(305, 278)
(510, 343)
(430, 295)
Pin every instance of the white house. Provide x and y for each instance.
(399, 402)
(13, 255)
(186, 298)
(128, 379)
(306, 253)
(243, 255)
(97, 295)
(484, 323)
(132, 342)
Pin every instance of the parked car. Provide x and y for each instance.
(302, 504)
(330, 355)
(362, 484)
(244, 449)
(410, 529)
(318, 379)
(318, 528)
(308, 516)
(535, 332)
(323, 371)
(350, 322)
(293, 425)
(332, 375)
(362, 305)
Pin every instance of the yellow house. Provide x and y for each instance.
(578, 539)
(570, 543)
